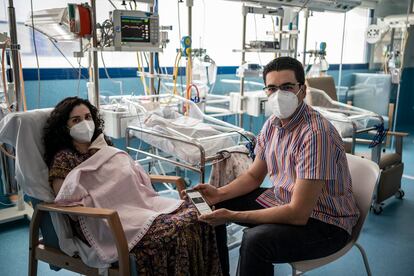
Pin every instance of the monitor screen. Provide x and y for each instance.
(135, 29)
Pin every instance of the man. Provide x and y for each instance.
(310, 211)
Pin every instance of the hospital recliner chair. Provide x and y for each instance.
(24, 132)
(365, 176)
(324, 83)
(390, 163)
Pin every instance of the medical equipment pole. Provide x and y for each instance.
(281, 36)
(190, 14)
(95, 67)
(189, 70)
(240, 116)
(297, 38)
(151, 66)
(397, 102)
(15, 54)
(16, 68)
(305, 37)
(342, 54)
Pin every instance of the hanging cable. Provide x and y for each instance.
(159, 71)
(203, 32)
(3, 74)
(145, 57)
(255, 32)
(175, 71)
(188, 96)
(23, 93)
(188, 73)
(64, 56)
(79, 76)
(179, 20)
(189, 83)
(141, 69)
(37, 57)
(107, 75)
(189, 91)
(402, 63)
(274, 35)
(113, 5)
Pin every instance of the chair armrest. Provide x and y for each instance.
(399, 134)
(110, 215)
(363, 141)
(392, 133)
(178, 181)
(78, 210)
(358, 141)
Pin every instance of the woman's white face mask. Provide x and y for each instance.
(283, 103)
(82, 132)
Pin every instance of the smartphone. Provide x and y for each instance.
(198, 201)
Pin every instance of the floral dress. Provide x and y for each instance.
(175, 244)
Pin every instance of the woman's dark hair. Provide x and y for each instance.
(56, 134)
(285, 63)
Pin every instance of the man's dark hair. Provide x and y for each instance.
(56, 135)
(285, 63)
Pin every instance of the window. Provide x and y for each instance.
(216, 26)
(328, 27)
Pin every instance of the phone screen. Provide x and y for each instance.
(199, 202)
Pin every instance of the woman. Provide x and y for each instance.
(176, 243)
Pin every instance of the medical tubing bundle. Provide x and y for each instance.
(196, 99)
(107, 75)
(175, 71)
(141, 69)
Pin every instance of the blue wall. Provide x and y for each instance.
(57, 84)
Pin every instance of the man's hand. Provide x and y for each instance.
(210, 193)
(218, 217)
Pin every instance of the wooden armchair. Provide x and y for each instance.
(23, 131)
(39, 251)
(371, 93)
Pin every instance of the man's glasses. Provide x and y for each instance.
(285, 87)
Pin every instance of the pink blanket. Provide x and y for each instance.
(111, 179)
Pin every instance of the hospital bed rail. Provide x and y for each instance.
(204, 160)
(201, 149)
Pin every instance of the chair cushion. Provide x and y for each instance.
(24, 131)
(317, 97)
(325, 83)
(387, 159)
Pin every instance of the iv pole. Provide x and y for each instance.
(15, 54)
(409, 10)
(94, 77)
(22, 210)
(342, 54)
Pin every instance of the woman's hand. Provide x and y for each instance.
(218, 217)
(210, 193)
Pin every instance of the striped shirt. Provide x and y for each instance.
(308, 147)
